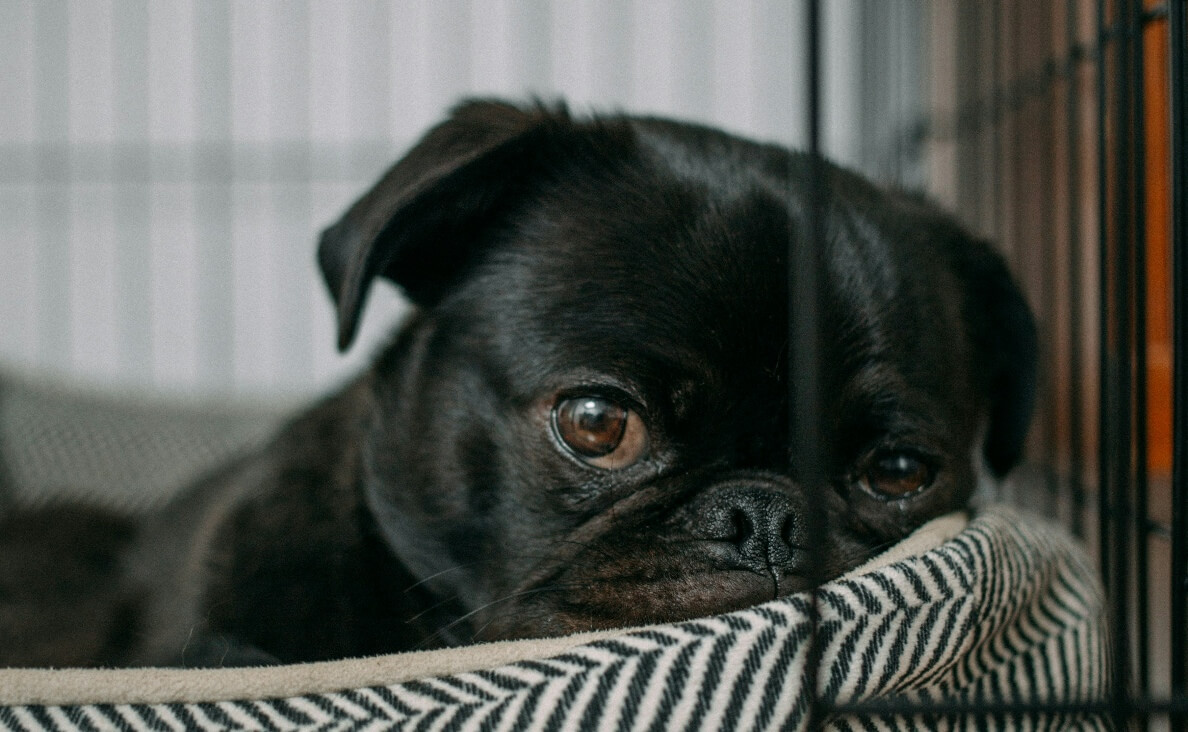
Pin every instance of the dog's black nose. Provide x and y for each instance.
(751, 527)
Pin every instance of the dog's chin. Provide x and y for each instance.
(571, 604)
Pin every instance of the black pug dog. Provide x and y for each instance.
(583, 425)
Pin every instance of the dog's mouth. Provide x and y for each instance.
(599, 590)
(738, 543)
(564, 609)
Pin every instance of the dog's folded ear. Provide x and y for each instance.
(415, 226)
(1004, 334)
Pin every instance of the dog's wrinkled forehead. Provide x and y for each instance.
(649, 262)
(666, 258)
(681, 242)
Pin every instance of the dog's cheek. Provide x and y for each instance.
(486, 509)
(420, 459)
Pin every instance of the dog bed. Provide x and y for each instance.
(1000, 607)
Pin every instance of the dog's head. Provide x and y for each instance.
(586, 423)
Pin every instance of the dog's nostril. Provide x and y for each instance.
(742, 527)
(790, 531)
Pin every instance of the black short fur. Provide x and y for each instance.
(639, 262)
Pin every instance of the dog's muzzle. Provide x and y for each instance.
(755, 523)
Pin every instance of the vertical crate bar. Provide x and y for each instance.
(1119, 405)
(1076, 434)
(1138, 486)
(1178, 18)
(1111, 432)
(1049, 270)
(1103, 457)
(803, 314)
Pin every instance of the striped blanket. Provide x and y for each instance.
(1002, 609)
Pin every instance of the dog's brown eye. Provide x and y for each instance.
(600, 431)
(897, 474)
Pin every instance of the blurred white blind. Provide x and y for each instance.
(165, 166)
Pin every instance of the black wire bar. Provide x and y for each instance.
(1050, 268)
(1138, 488)
(1115, 436)
(1178, 590)
(804, 377)
(1076, 373)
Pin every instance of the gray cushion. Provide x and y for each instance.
(124, 451)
